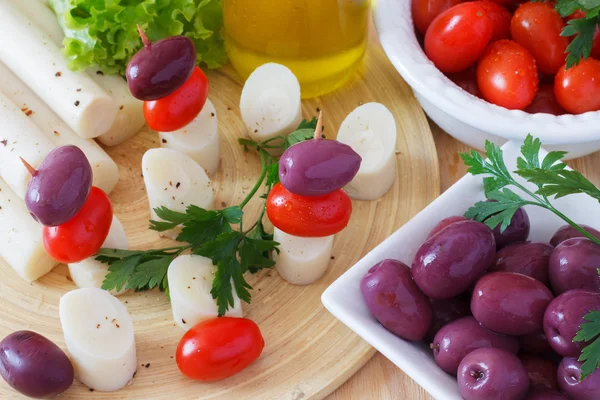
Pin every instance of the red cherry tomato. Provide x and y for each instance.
(219, 348)
(545, 102)
(458, 37)
(308, 216)
(425, 11)
(537, 27)
(500, 17)
(507, 75)
(467, 80)
(83, 235)
(577, 89)
(180, 107)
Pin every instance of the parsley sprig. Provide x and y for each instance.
(215, 234)
(553, 180)
(549, 175)
(583, 29)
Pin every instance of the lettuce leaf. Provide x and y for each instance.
(103, 33)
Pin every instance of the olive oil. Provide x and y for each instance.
(321, 41)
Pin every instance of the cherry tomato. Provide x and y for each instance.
(83, 235)
(308, 216)
(425, 11)
(500, 17)
(180, 107)
(577, 89)
(458, 37)
(219, 348)
(545, 102)
(507, 75)
(537, 27)
(467, 80)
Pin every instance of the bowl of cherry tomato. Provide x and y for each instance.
(497, 70)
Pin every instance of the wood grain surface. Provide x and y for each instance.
(382, 380)
(308, 353)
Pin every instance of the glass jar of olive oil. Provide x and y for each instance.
(321, 41)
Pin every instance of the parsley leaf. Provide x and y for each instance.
(299, 136)
(581, 46)
(582, 28)
(590, 355)
(120, 271)
(150, 274)
(306, 124)
(560, 183)
(498, 212)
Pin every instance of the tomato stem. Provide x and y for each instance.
(30, 169)
(319, 128)
(145, 39)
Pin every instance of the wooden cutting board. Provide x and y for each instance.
(308, 353)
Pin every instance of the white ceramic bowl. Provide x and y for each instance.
(467, 118)
(344, 299)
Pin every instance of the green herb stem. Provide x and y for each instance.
(263, 172)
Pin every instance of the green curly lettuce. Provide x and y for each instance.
(103, 33)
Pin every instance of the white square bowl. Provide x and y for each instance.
(344, 299)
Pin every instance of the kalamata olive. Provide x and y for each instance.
(541, 371)
(317, 167)
(444, 223)
(458, 338)
(60, 186)
(529, 259)
(517, 231)
(160, 68)
(445, 311)
(568, 232)
(574, 265)
(34, 366)
(510, 303)
(542, 393)
(395, 300)
(448, 263)
(563, 318)
(492, 374)
(536, 343)
(569, 375)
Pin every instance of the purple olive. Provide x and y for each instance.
(60, 186)
(34, 366)
(160, 68)
(536, 343)
(492, 374)
(574, 265)
(542, 372)
(446, 311)
(318, 167)
(563, 318)
(450, 262)
(458, 338)
(510, 303)
(568, 232)
(516, 231)
(529, 259)
(395, 300)
(542, 393)
(443, 224)
(569, 374)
